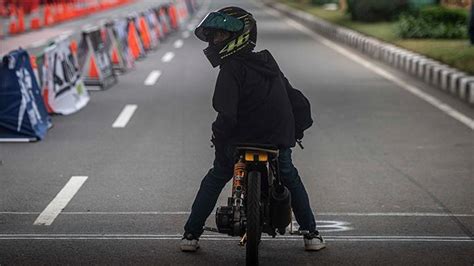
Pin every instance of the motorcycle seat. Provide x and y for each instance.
(270, 148)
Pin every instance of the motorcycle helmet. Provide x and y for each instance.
(242, 28)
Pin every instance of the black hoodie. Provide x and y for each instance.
(252, 102)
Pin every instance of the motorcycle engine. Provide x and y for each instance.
(228, 220)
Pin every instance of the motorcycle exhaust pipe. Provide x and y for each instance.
(280, 207)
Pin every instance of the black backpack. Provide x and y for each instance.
(301, 109)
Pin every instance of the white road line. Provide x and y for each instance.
(178, 44)
(125, 116)
(55, 207)
(15, 140)
(350, 238)
(152, 78)
(167, 57)
(129, 213)
(373, 214)
(397, 214)
(414, 90)
(186, 34)
(226, 236)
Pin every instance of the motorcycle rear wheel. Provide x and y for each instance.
(253, 217)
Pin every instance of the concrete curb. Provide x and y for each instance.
(432, 72)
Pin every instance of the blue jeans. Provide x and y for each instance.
(222, 172)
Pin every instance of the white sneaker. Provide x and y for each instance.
(313, 241)
(189, 243)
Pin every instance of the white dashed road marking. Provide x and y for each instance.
(55, 207)
(326, 226)
(152, 78)
(178, 44)
(167, 57)
(125, 116)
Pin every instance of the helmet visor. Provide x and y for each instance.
(217, 21)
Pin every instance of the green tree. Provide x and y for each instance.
(376, 10)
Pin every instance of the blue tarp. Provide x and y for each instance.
(22, 111)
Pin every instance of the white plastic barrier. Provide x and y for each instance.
(64, 91)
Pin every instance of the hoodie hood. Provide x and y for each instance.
(262, 62)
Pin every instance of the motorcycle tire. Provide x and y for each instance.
(253, 217)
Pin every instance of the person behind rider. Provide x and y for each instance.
(252, 100)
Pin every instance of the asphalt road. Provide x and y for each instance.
(390, 176)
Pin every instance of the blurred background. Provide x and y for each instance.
(115, 100)
(440, 29)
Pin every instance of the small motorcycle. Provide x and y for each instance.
(259, 203)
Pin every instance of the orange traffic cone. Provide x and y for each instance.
(57, 14)
(93, 70)
(48, 17)
(35, 22)
(67, 11)
(13, 21)
(73, 47)
(115, 57)
(145, 33)
(173, 17)
(133, 41)
(49, 109)
(34, 66)
(3, 9)
(21, 20)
